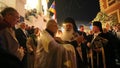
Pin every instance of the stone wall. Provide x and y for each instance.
(17, 4)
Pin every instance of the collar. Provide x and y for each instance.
(97, 33)
(52, 34)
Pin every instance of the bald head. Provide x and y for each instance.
(50, 22)
(52, 26)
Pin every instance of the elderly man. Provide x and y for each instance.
(8, 41)
(69, 31)
(51, 54)
(71, 36)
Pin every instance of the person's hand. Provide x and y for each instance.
(89, 44)
(80, 39)
(58, 39)
(20, 52)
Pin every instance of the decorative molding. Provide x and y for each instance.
(111, 2)
(112, 9)
(101, 5)
(117, 12)
(117, 5)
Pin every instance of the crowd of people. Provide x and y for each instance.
(31, 47)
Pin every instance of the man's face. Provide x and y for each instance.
(68, 26)
(82, 29)
(54, 27)
(23, 25)
(95, 29)
(13, 18)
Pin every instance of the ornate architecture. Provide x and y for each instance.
(111, 8)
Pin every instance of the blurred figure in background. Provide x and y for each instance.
(21, 35)
(32, 42)
(118, 42)
(81, 31)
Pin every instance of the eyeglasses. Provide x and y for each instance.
(18, 17)
(15, 15)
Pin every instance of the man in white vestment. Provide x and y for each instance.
(50, 53)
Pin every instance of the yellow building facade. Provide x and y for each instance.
(111, 8)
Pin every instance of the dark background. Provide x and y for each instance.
(83, 11)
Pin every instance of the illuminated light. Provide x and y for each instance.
(31, 4)
(91, 27)
(45, 6)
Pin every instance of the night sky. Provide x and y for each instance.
(83, 11)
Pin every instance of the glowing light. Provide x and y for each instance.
(45, 6)
(31, 4)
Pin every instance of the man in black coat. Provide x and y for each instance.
(102, 45)
(21, 35)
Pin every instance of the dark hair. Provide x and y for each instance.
(81, 26)
(22, 19)
(72, 21)
(98, 24)
(7, 10)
